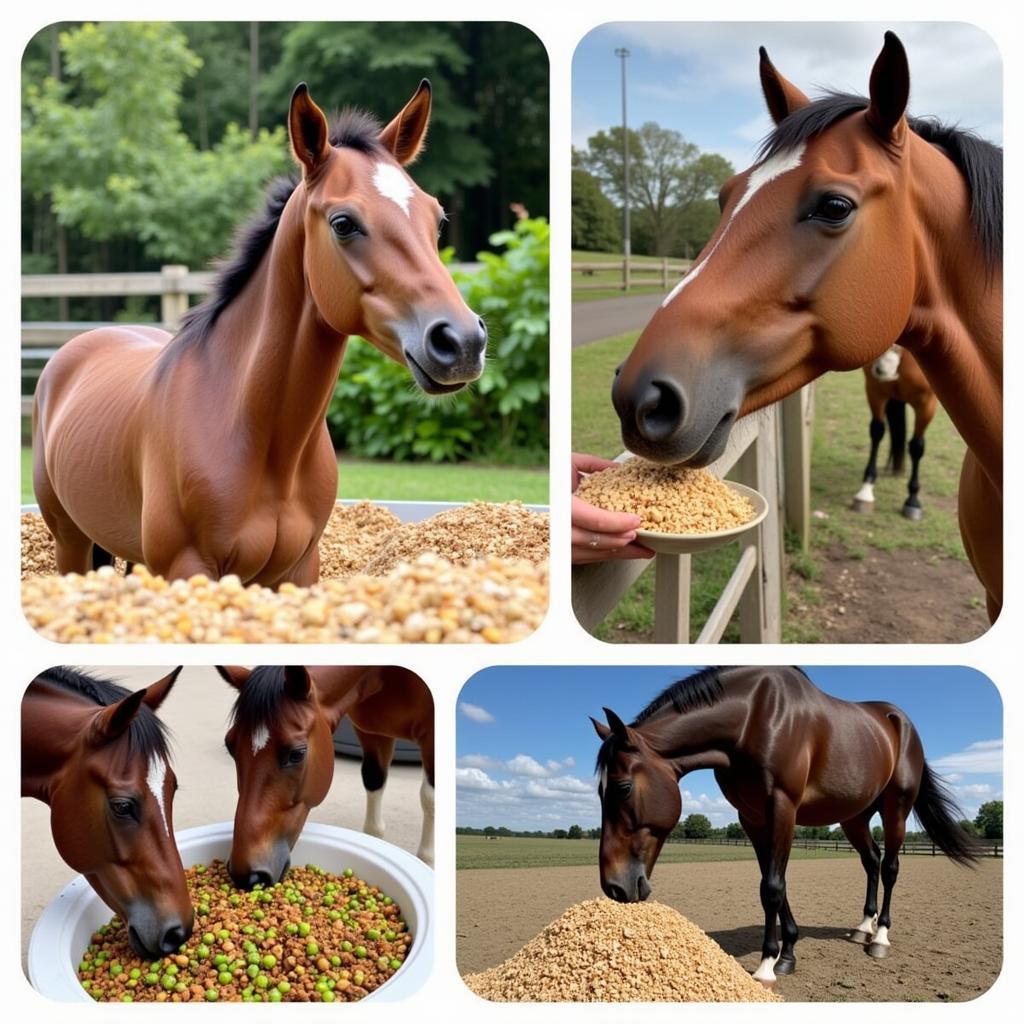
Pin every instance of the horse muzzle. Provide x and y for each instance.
(447, 356)
(633, 890)
(152, 937)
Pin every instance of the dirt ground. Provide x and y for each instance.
(892, 597)
(946, 934)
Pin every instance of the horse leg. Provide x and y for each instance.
(426, 848)
(923, 414)
(894, 820)
(864, 499)
(377, 754)
(74, 550)
(858, 831)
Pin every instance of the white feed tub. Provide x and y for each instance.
(65, 927)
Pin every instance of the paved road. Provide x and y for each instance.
(604, 318)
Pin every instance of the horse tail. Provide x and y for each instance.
(896, 415)
(938, 813)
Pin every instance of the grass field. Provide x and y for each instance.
(612, 277)
(477, 852)
(412, 481)
(840, 449)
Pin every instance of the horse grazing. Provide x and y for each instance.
(209, 452)
(892, 382)
(784, 754)
(282, 740)
(857, 228)
(97, 755)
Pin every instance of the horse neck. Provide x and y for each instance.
(278, 358)
(955, 326)
(52, 724)
(700, 738)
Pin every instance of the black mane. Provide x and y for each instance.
(259, 700)
(701, 689)
(351, 129)
(147, 734)
(980, 162)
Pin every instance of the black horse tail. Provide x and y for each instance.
(896, 415)
(938, 813)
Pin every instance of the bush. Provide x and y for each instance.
(377, 412)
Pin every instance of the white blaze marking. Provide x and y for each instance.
(155, 780)
(887, 366)
(765, 972)
(260, 738)
(426, 850)
(603, 784)
(771, 169)
(393, 184)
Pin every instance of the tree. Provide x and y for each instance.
(989, 820)
(734, 830)
(560, 833)
(696, 826)
(575, 832)
(969, 827)
(595, 219)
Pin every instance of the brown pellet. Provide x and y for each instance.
(602, 951)
(668, 499)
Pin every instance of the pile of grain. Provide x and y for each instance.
(37, 554)
(602, 951)
(668, 499)
(461, 535)
(352, 536)
(492, 600)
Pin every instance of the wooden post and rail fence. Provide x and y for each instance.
(918, 847)
(632, 273)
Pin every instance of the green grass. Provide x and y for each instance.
(411, 481)
(613, 278)
(840, 449)
(477, 852)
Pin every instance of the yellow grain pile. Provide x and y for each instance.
(353, 536)
(602, 951)
(668, 499)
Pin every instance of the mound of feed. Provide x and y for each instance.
(352, 536)
(462, 535)
(668, 499)
(313, 938)
(430, 600)
(602, 951)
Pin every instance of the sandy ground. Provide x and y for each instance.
(197, 711)
(946, 934)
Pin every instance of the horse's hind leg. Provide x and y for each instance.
(426, 847)
(74, 550)
(858, 831)
(922, 417)
(864, 499)
(377, 754)
(895, 808)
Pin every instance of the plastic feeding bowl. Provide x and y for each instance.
(69, 920)
(691, 543)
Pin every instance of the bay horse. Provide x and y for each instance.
(97, 755)
(784, 753)
(892, 382)
(857, 228)
(281, 738)
(208, 452)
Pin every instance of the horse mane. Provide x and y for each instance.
(351, 129)
(701, 689)
(259, 701)
(980, 162)
(147, 734)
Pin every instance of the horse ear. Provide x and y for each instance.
(297, 682)
(602, 730)
(307, 129)
(780, 94)
(617, 724)
(405, 135)
(112, 721)
(889, 90)
(156, 692)
(234, 675)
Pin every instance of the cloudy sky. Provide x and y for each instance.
(701, 78)
(526, 747)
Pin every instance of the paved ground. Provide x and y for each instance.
(604, 318)
(197, 712)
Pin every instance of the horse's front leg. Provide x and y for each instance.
(864, 499)
(377, 753)
(426, 847)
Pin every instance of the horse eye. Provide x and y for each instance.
(833, 209)
(623, 788)
(344, 226)
(296, 755)
(122, 808)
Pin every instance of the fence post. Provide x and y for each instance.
(671, 599)
(625, 274)
(173, 299)
(797, 432)
(664, 272)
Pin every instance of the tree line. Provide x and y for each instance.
(672, 189)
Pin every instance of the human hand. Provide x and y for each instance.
(597, 534)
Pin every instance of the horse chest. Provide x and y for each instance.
(272, 546)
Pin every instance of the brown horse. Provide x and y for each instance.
(97, 755)
(858, 228)
(282, 741)
(892, 382)
(209, 452)
(784, 754)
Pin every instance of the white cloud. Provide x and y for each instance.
(475, 778)
(982, 758)
(523, 764)
(476, 713)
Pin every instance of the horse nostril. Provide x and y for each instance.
(258, 878)
(660, 411)
(616, 892)
(172, 939)
(443, 344)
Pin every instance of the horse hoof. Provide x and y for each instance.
(913, 512)
(859, 505)
(878, 951)
(785, 966)
(861, 938)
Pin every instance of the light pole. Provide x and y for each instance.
(622, 53)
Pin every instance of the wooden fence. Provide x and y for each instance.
(627, 271)
(984, 848)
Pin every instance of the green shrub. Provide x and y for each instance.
(378, 412)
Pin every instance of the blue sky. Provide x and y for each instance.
(701, 78)
(526, 747)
